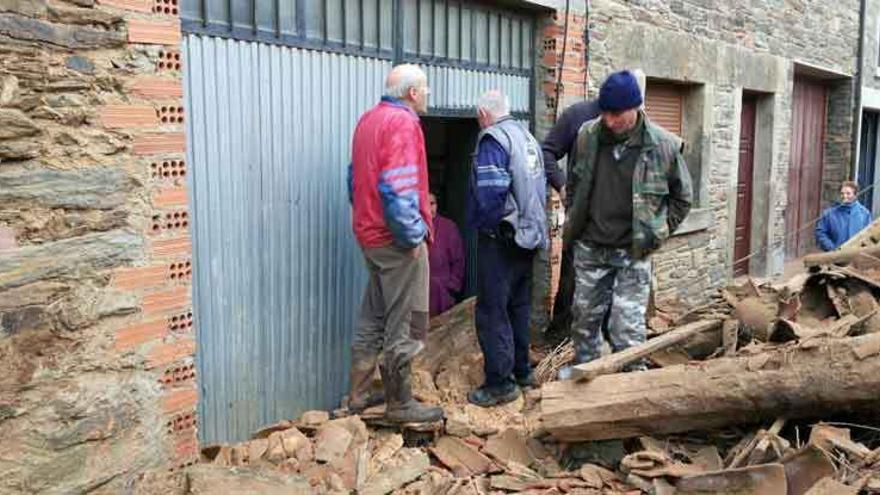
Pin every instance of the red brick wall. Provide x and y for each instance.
(570, 89)
(97, 376)
(162, 332)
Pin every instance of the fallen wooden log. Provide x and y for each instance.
(868, 236)
(841, 256)
(613, 363)
(450, 334)
(829, 375)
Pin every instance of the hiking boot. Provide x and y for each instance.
(527, 381)
(402, 408)
(494, 395)
(362, 395)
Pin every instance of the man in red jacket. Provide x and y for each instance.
(388, 187)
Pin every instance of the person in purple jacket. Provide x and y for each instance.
(843, 220)
(446, 257)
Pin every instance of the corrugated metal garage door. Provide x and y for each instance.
(273, 92)
(277, 270)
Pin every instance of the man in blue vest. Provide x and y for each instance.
(843, 220)
(506, 206)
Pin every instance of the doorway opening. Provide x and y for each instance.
(450, 142)
(868, 160)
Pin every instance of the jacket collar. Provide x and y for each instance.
(396, 102)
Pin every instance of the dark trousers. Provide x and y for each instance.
(504, 287)
(560, 326)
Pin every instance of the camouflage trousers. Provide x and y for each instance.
(610, 281)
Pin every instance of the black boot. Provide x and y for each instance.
(402, 408)
(494, 395)
(361, 395)
(528, 381)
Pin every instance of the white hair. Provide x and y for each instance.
(402, 78)
(642, 80)
(495, 102)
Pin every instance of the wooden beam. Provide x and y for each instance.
(828, 376)
(613, 363)
(841, 256)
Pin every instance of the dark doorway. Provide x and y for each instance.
(745, 178)
(805, 172)
(868, 158)
(450, 143)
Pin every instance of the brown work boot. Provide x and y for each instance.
(362, 395)
(402, 408)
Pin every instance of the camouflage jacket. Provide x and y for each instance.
(661, 185)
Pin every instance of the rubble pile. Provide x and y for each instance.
(734, 402)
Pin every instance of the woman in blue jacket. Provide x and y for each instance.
(843, 220)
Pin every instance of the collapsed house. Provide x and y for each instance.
(734, 403)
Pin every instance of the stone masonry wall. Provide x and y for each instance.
(96, 339)
(818, 32)
(871, 47)
(727, 48)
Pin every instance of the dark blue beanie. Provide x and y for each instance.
(620, 91)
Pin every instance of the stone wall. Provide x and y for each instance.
(96, 338)
(838, 141)
(818, 32)
(725, 49)
(871, 47)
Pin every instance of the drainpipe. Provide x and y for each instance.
(857, 94)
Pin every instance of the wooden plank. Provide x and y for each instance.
(615, 362)
(841, 256)
(791, 381)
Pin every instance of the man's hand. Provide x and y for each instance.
(562, 194)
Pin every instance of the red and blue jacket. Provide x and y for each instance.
(388, 178)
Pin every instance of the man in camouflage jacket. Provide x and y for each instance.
(631, 190)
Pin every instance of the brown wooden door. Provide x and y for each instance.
(743, 230)
(805, 173)
(664, 103)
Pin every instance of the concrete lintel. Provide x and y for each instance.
(802, 68)
(870, 98)
(698, 219)
(675, 56)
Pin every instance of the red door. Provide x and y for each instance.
(743, 231)
(805, 173)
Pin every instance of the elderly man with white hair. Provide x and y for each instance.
(391, 217)
(506, 206)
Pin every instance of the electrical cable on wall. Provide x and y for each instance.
(790, 232)
(586, 48)
(560, 65)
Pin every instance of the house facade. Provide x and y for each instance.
(176, 261)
